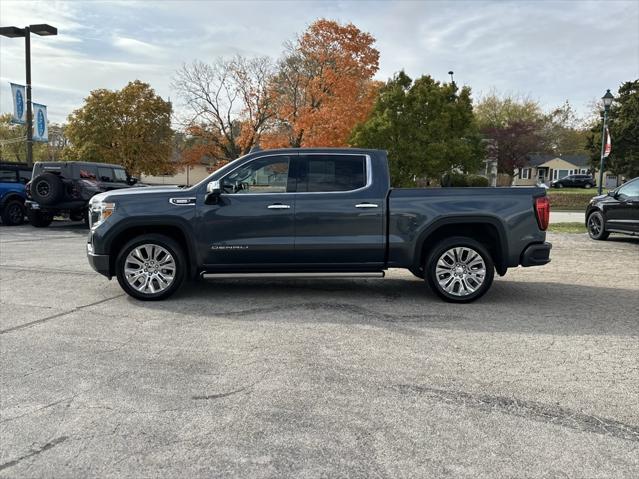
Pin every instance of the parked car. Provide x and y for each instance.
(65, 188)
(616, 212)
(13, 177)
(575, 181)
(315, 212)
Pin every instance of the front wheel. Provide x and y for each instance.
(13, 213)
(151, 267)
(459, 270)
(596, 229)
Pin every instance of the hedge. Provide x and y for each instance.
(458, 179)
(569, 201)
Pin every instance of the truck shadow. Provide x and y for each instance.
(398, 303)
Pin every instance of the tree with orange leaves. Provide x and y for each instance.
(323, 87)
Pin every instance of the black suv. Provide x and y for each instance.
(575, 181)
(65, 188)
(616, 212)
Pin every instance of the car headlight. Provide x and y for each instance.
(100, 211)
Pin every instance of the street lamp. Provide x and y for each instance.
(607, 101)
(41, 29)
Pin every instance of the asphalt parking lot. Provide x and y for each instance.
(348, 378)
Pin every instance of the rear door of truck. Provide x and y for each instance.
(339, 212)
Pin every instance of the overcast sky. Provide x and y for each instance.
(551, 51)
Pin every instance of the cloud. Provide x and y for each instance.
(551, 50)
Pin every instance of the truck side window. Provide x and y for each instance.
(331, 173)
(263, 175)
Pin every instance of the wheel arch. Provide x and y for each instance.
(489, 231)
(173, 230)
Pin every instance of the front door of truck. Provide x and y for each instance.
(252, 222)
(339, 214)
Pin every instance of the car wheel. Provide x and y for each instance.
(596, 228)
(39, 219)
(560, 185)
(47, 188)
(588, 186)
(459, 270)
(13, 213)
(151, 267)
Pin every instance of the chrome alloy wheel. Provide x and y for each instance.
(460, 271)
(594, 224)
(149, 268)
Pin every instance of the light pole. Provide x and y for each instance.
(14, 32)
(607, 101)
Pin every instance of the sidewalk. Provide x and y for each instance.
(567, 217)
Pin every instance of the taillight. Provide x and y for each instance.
(542, 210)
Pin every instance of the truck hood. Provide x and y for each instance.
(127, 193)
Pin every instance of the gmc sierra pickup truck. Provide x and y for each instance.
(314, 213)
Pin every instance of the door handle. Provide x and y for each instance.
(278, 206)
(366, 205)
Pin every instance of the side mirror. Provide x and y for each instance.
(213, 191)
(132, 180)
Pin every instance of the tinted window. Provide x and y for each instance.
(263, 175)
(24, 175)
(630, 190)
(87, 172)
(120, 175)
(105, 174)
(8, 176)
(331, 173)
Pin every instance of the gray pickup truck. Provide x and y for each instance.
(314, 213)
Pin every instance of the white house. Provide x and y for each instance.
(548, 168)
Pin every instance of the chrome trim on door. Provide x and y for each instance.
(278, 207)
(182, 201)
(329, 275)
(366, 205)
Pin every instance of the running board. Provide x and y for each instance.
(205, 275)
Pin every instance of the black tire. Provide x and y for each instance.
(13, 213)
(47, 188)
(597, 226)
(560, 185)
(168, 244)
(588, 186)
(440, 249)
(39, 219)
(76, 215)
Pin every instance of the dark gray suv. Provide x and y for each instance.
(575, 181)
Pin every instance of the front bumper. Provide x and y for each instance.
(99, 262)
(536, 255)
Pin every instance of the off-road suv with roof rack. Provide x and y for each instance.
(65, 188)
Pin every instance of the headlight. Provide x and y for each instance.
(100, 211)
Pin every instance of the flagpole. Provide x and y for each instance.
(27, 48)
(603, 145)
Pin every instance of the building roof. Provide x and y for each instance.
(580, 161)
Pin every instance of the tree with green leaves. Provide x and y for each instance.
(427, 127)
(623, 124)
(516, 124)
(130, 127)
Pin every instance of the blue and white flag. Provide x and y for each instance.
(18, 92)
(40, 124)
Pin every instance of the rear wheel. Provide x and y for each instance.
(151, 267)
(459, 269)
(13, 213)
(39, 219)
(588, 186)
(596, 226)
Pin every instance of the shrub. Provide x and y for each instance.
(453, 179)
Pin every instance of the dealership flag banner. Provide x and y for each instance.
(608, 147)
(40, 127)
(19, 103)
